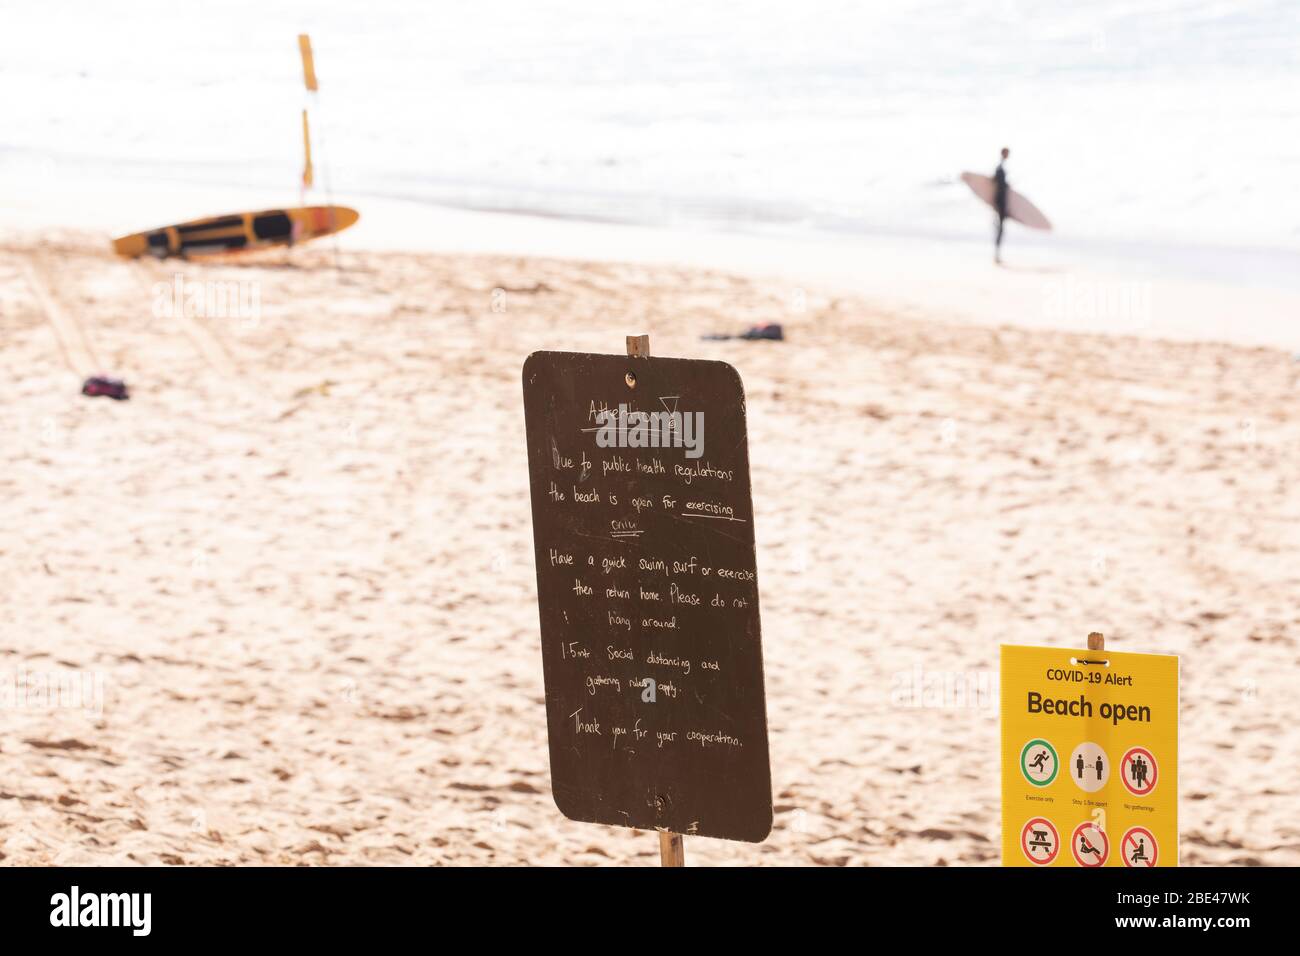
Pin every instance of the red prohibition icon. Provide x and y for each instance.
(1139, 771)
(1039, 841)
(1138, 848)
(1090, 845)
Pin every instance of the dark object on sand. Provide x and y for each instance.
(770, 333)
(102, 385)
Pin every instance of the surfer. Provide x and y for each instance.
(1005, 202)
(1000, 191)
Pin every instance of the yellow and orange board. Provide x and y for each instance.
(239, 232)
(1089, 758)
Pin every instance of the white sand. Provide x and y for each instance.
(300, 558)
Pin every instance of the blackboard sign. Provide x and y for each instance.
(648, 595)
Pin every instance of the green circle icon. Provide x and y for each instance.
(1038, 762)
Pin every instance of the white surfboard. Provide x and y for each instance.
(1018, 207)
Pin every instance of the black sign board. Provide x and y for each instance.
(646, 586)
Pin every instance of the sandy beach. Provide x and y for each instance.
(296, 568)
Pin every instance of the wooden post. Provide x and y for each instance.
(1096, 642)
(672, 846)
(672, 849)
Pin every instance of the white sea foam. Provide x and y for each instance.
(1167, 121)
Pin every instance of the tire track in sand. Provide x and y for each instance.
(73, 341)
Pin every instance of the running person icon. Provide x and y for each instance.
(1038, 762)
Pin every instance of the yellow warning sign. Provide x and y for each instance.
(1089, 758)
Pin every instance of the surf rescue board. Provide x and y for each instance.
(240, 232)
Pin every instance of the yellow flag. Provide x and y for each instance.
(308, 66)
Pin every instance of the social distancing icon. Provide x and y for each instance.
(1139, 847)
(1040, 841)
(1038, 762)
(1089, 845)
(1138, 770)
(1089, 767)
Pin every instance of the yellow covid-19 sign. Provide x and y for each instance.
(1089, 758)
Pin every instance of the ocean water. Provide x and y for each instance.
(1148, 125)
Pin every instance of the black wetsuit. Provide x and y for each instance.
(1000, 190)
